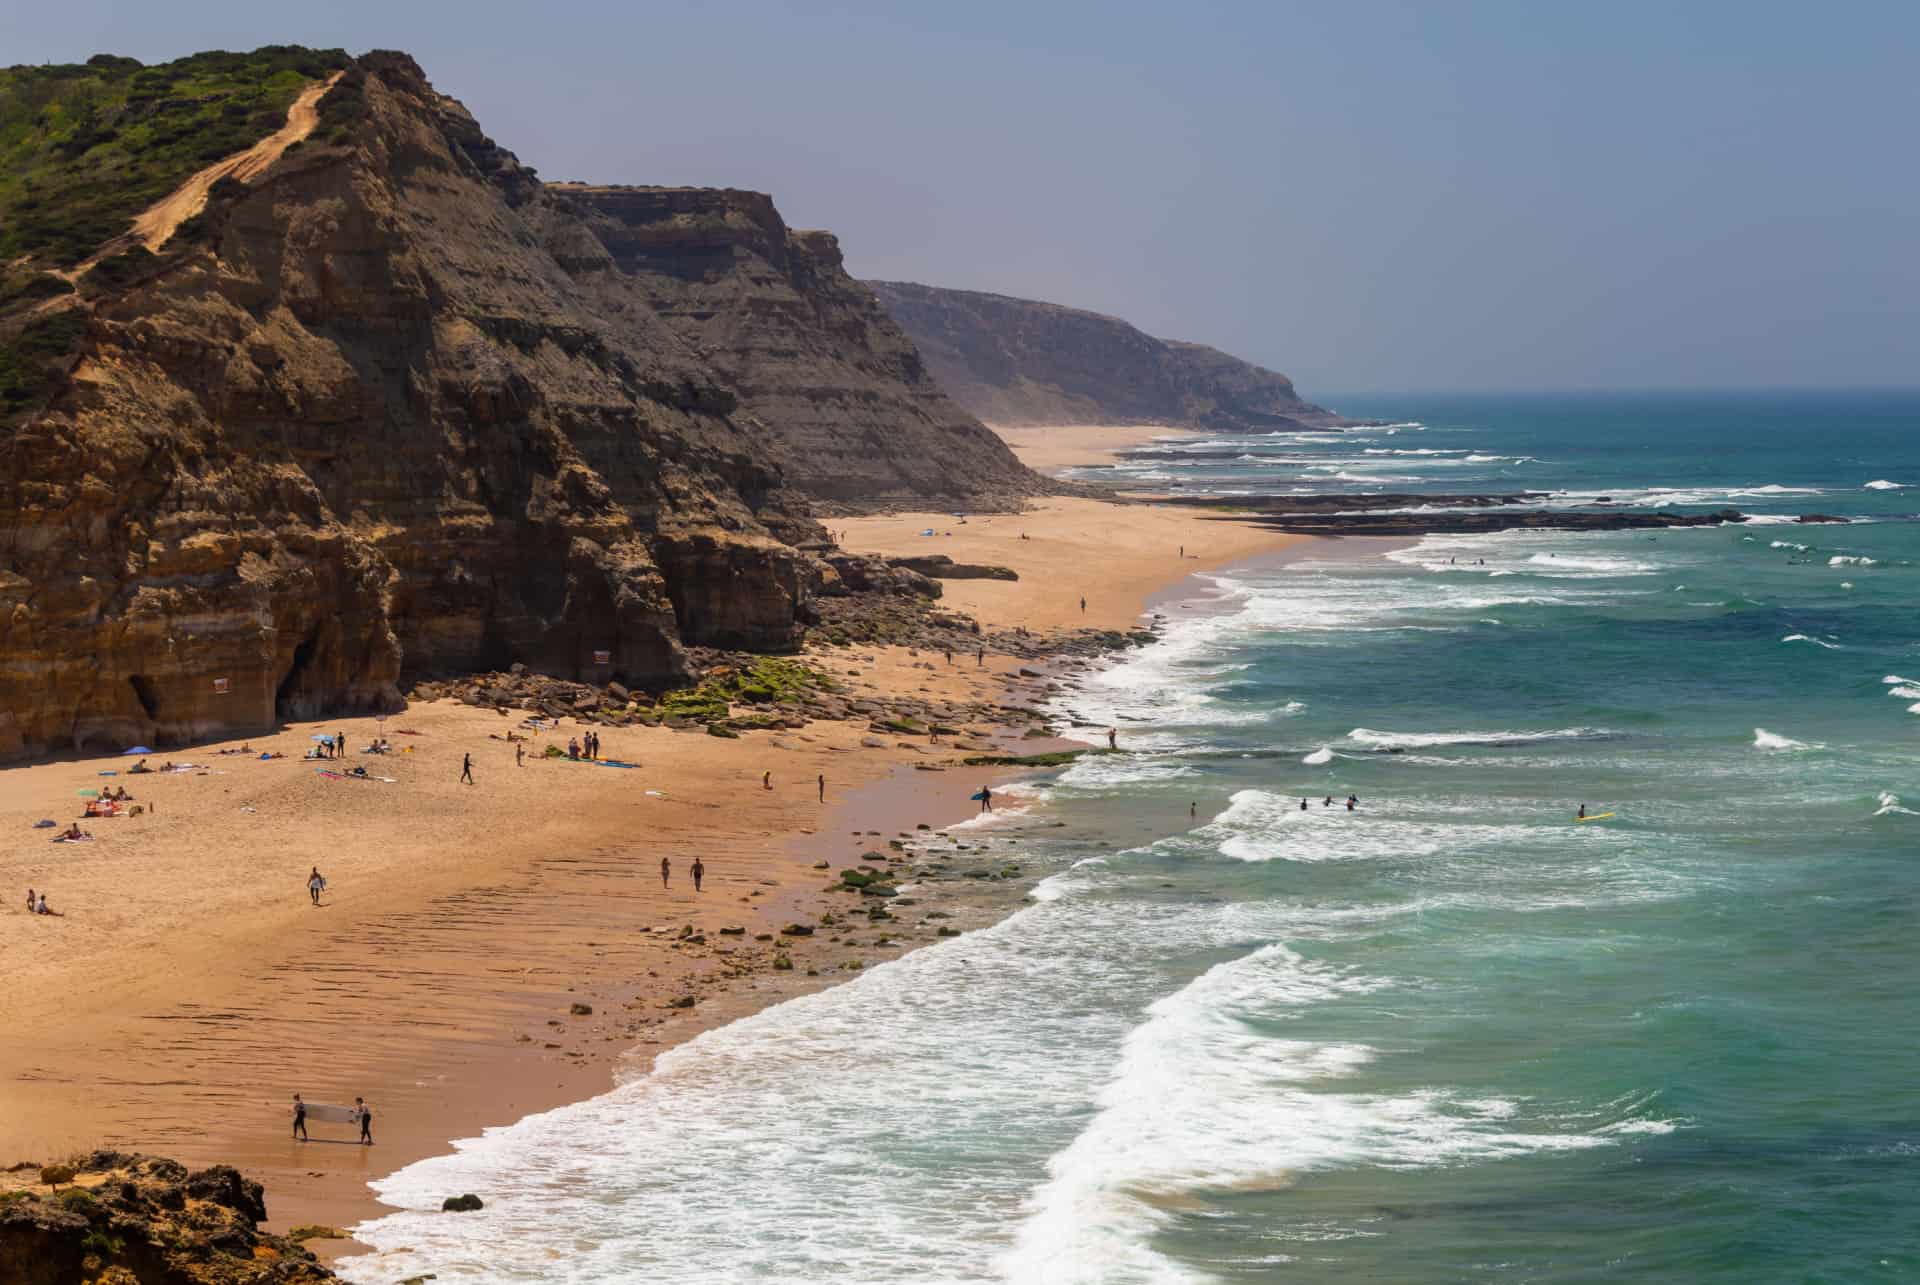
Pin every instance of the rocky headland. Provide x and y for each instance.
(115, 1219)
(393, 408)
(1015, 362)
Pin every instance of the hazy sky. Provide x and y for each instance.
(1364, 195)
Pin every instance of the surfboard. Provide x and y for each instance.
(1598, 816)
(977, 797)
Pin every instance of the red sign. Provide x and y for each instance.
(603, 658)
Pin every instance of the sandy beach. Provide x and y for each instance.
(1064, 446)
(192, 987)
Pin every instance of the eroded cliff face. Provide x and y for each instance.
(1022, 362)
(396, 408)
(835, 386)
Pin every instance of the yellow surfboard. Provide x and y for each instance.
(1598, 816)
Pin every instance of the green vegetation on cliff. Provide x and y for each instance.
(86, 147)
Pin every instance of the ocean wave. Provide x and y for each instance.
(1850, 560)
(1201, 1104)
(1322, 755)
(1815, 641)
(1882, 484)
(1419, 740)
(1421, 450)
(1895, 678)
(1787, 544)
(1890, 805)
(1774, 743)
(1905, 692)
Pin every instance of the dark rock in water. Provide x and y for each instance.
(461, 1204)
(1340, 515)
(1818, 517)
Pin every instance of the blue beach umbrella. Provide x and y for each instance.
(138, 749)
(324, 740)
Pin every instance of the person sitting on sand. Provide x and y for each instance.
(168, 766)
(74, 833)
(29, 901)
(141, 766)
(42, 908)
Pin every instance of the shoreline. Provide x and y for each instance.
(474, 921)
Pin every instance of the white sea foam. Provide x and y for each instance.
(1890, 806)
(1418, 740)
(1882, 484)
(1810, 639)
(1906, 692)
(1895, 678)
(1847, 560)
(1788, 544)
(1322, 755)
(1201, 1103)
(1765, 740)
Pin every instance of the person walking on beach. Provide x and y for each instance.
(299, 1118)
(341, 741)
(823, 787)
(986, 799)
(1083, 606)
(766, 780)
(698, 872)
(666, 869)
(314, 884)
(519, 754)
(980, 658)
(949, 656)
(466, 768)
(366, 1121)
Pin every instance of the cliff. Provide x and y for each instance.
(1022, 362)
(389, 407)
(819, 366)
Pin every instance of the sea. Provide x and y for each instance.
(1241, 1033)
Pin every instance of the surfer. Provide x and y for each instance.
(1583, 812)
(986, 799)
(1303, 805)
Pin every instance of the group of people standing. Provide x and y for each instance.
(587, 747)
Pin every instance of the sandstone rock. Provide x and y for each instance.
(397, 409)
(578, 1009)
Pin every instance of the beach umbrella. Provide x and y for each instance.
(138, 749)
(324, 740)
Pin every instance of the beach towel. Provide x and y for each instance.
(602, 762)
(85, 838)
(45, 825)
(354, 776)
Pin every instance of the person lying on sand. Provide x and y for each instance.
(72, 834)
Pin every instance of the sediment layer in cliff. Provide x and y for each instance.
(391, 406)
(1022, 362)
(821, 369)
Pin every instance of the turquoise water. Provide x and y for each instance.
(1448, 1036)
